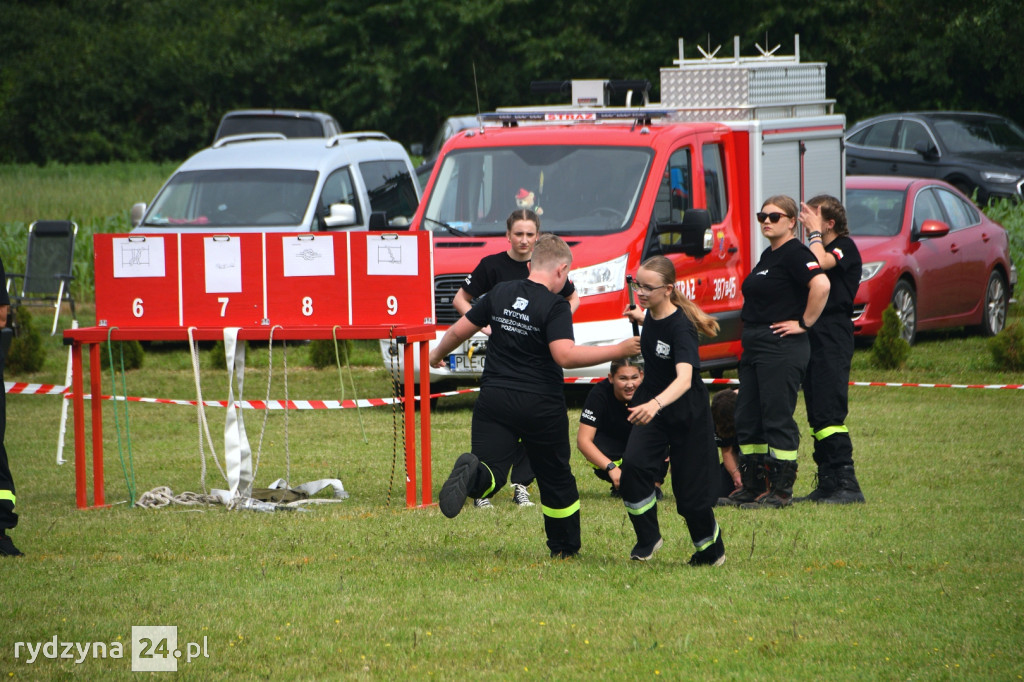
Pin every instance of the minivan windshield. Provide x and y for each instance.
(243, 197)
(575, 190)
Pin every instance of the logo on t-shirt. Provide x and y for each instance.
(813, 265)
(763, 272)
(838, 253)
(520, 303)
(662, 350)
(588, 415)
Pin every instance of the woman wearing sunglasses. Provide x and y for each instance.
(782, 297)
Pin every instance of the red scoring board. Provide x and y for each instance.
(221, 280)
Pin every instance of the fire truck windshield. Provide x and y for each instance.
(575, 190)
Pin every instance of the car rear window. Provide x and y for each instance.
(287, 126)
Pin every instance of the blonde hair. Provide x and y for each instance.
(705, 324)
(550, 252)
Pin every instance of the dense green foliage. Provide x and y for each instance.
(889, 349)
(100, 80)
(1008, 348)
(27, 353)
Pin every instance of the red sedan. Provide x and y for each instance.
(929, 251)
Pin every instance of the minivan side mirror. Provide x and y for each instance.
(340, 215)
(693, 235)
(137, 214)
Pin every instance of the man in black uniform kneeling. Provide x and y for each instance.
(521, 392)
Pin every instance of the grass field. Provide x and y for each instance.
(924, 582)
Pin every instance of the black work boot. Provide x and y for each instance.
(826, 484)
(752, 476)
(847, 488)
(781, 477)
(7, 547)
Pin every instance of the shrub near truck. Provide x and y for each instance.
(683, 178)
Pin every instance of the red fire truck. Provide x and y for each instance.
(683, 178)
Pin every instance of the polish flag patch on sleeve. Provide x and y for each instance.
(813, 265)
(838, 253)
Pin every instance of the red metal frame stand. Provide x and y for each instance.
(93, 336)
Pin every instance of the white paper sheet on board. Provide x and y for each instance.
(308, 255)
(223, 258)
(391, 254)
(139, 257)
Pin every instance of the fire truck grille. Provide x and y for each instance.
(445, 288)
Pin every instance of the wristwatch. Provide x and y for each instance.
(611, 465)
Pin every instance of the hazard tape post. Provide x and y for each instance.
(257, 287)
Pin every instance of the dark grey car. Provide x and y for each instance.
(971, 151)
(288, 122)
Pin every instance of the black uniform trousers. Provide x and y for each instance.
(8, 518)
(686, 429)
(502, 418)
(613, 450)
(770, 372)
(827, 389)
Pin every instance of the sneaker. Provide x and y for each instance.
(769, 500)
(483, 503)
(712, 556)
(7, 547)
(645, 553)
(520, 495)
(455, 489)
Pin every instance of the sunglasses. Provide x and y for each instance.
(643, 288)
(774, 216)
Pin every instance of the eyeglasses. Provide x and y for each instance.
(643, 288)
(774, 216)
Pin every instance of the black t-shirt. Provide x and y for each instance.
(607, 414)
(776, 289)
(664, 343)
(844, 278)
(524, 318)
(501, 267)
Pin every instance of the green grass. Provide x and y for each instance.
(922, 582)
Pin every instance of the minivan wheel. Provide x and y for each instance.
(905, 303)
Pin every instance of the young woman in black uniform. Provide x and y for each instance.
(671, 409)
(522, 232)
(522, 392)
(827, 382)
(782, 297)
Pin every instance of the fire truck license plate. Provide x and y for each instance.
(462, 363)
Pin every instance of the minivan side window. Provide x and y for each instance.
(391, 189)
(338, 189)
(714, 182)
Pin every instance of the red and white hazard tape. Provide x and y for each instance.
(18, 388)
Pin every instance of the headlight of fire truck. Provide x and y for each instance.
(602, 278)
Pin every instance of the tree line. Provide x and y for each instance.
(103, 80)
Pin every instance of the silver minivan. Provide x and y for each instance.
(266, 183)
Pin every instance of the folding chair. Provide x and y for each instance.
(48, 268)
